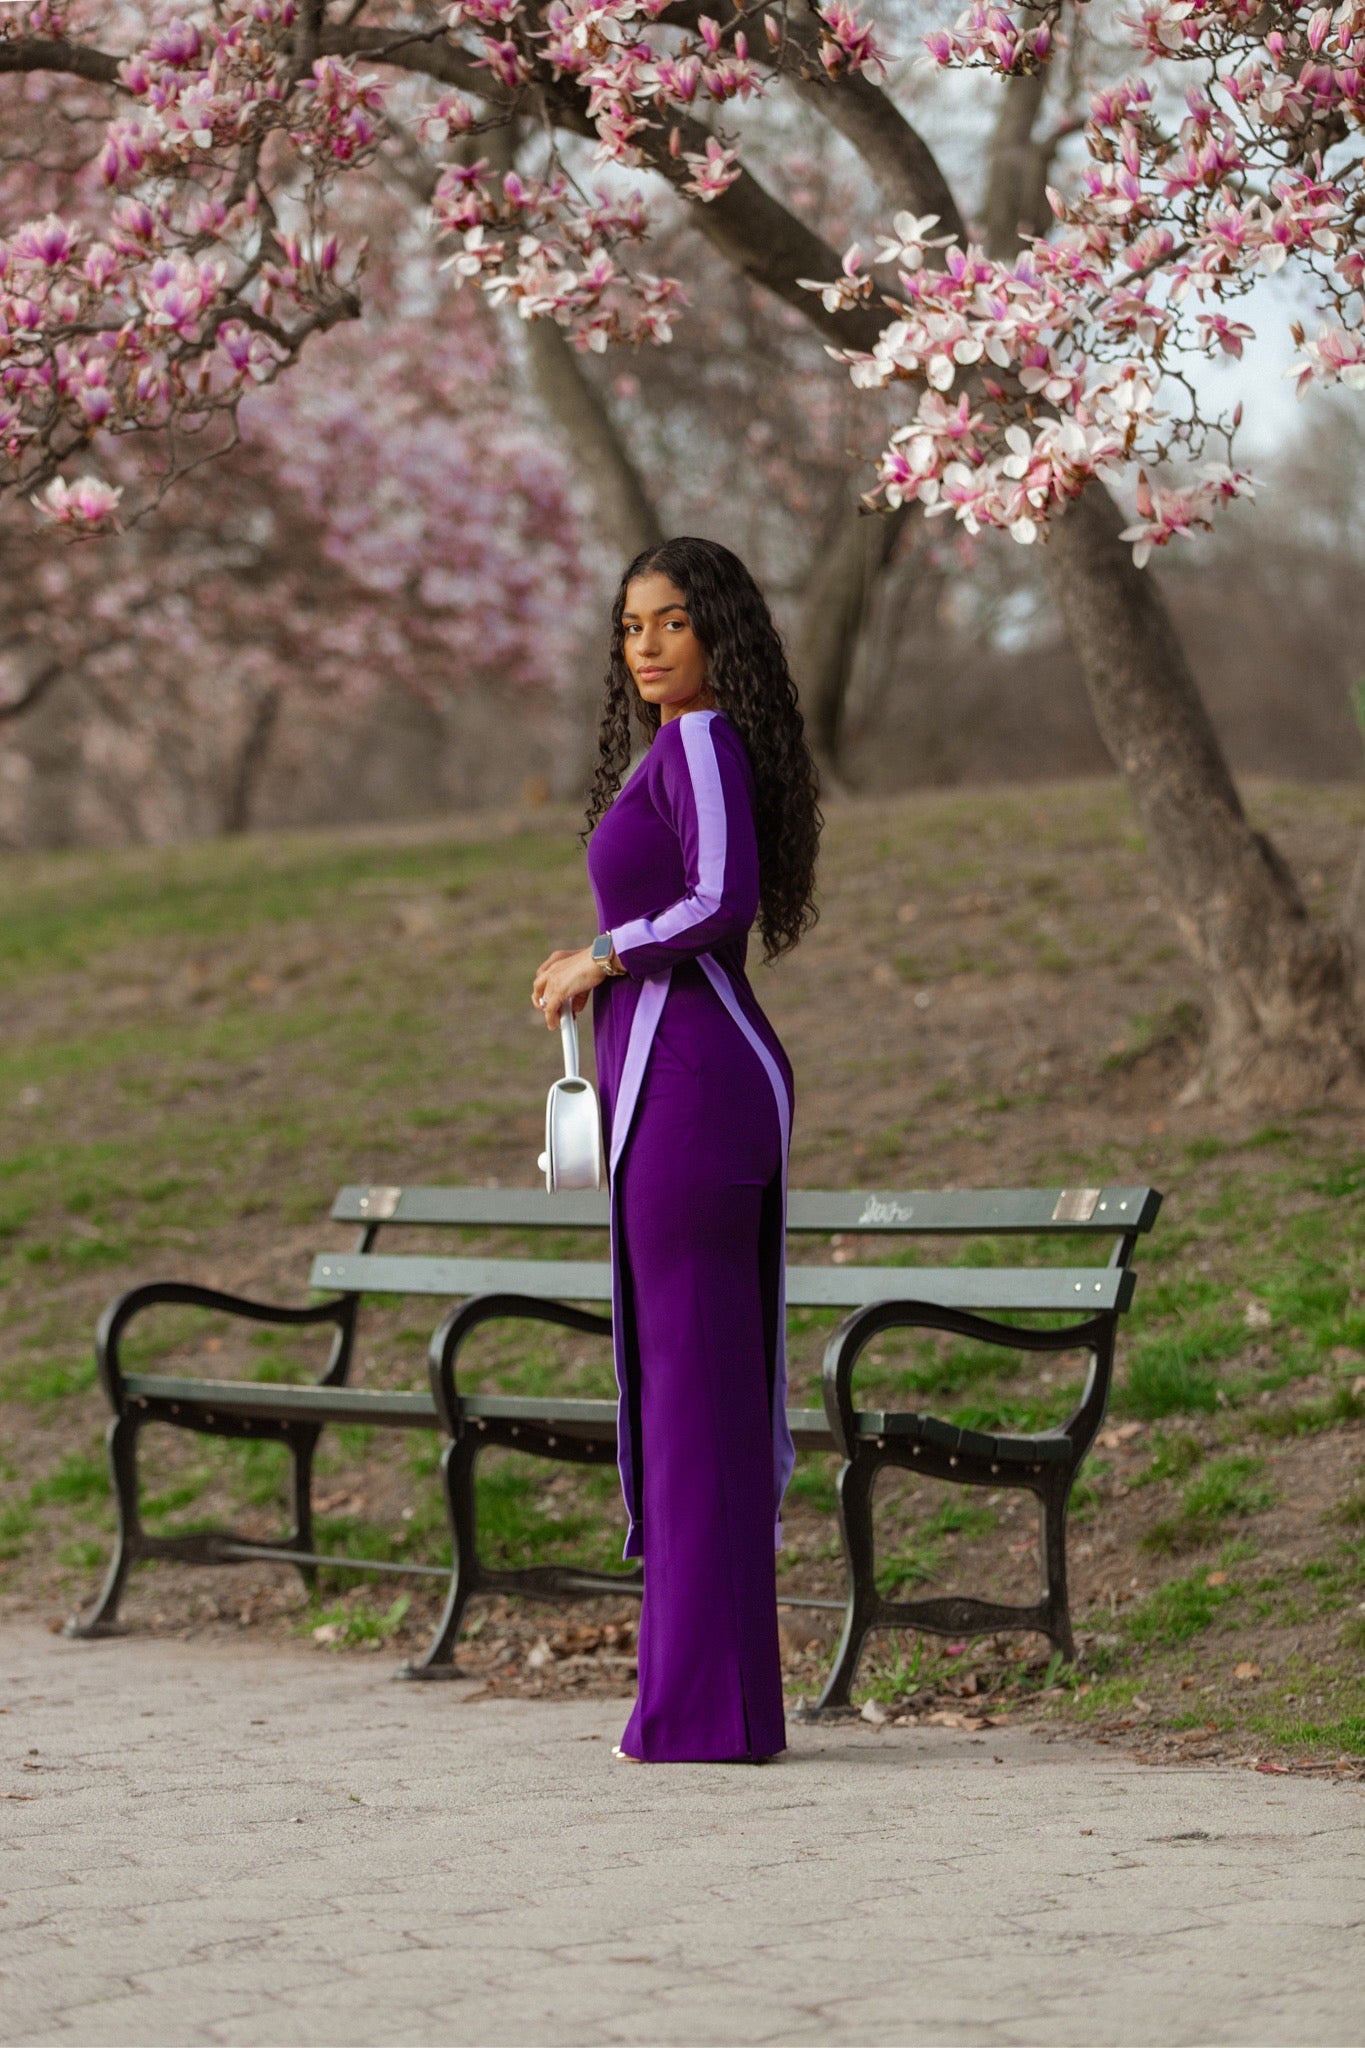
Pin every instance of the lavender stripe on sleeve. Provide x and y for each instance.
(704, 900)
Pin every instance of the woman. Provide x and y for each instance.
(717, 824)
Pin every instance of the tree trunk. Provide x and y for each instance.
(1016, 195)
(250, 762)
(625, 514)
(623, 507)
(832, 623)
(1284, 1029)
(1353, 921)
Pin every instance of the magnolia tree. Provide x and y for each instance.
(1039, 367)
(389, 526)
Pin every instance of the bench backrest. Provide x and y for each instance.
(1117, 1213)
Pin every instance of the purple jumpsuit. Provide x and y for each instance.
(697, 1099)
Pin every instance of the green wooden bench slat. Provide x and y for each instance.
(265, 1398)
(1055, 1288)
(949, 1211)
(514, 1206)
(536, 1408)
(524, 1408)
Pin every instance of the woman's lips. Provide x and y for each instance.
(647, 675)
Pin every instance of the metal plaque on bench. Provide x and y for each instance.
(1075, 1205)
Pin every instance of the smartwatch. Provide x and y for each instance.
(601, 950)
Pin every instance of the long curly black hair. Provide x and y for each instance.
(747, 673)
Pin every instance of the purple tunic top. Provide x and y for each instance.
(673, 864)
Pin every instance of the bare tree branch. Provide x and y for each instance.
(58, 53)
(894, 151)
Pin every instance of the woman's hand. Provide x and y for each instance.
(562, 978)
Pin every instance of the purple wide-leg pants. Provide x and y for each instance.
(700, 1170)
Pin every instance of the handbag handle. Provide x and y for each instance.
(568, 1032)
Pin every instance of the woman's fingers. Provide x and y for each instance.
(557, 984)
(540, 986)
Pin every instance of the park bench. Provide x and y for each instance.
(966, 1299)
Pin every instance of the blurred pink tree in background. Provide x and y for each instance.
(1036, 359)
(391, 522)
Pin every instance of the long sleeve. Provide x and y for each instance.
(703, 790)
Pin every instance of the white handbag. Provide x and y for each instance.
(573, 1125)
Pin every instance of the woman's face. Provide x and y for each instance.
(663, 654)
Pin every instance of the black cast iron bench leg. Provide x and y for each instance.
(300, 1438)
(303, 1444)
(854, 1492)
(460, 1459)
(121, 1441)
(1052, 1554)
(458, 1462)
(1050, 1479)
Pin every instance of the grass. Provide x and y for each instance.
(202, 1043)
(1225, 1489)
(921, 1562)
(1179, 1610)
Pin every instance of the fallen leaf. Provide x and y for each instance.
(1246, 1670)
(1122, 1433)
(328, 1632)
(1277, 1770)
(1216, 1579)
(874, 1713)
(1256, 1316)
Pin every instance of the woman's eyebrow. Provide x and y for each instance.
(659, 613)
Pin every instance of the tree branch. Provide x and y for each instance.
(58, 53)
(893, 149)
(429, 52)
(896, 153)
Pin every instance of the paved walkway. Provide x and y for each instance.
(266, 1845)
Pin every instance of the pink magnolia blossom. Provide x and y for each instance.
(85, 506)
(848, 44)
(1334, 356)
(1164, 513)
(712, 173)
